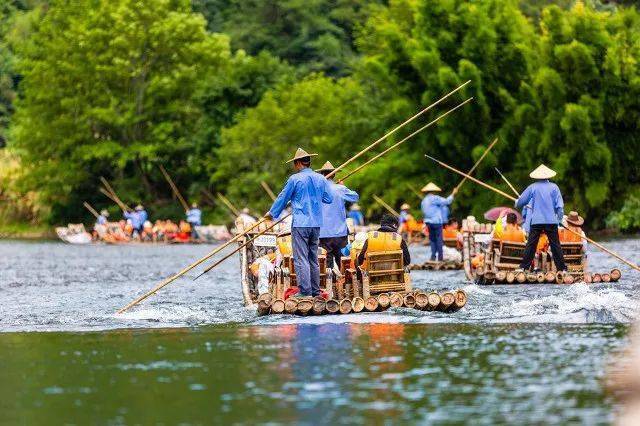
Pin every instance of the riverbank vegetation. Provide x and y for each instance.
(221, 91)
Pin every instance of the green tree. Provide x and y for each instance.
(108, 89)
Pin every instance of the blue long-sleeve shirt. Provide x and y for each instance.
(194, 216)
(137, 219)
(404, 215)
(334, 215)
(432, 208)
(357, 217)
(545, 199)
(307, 191)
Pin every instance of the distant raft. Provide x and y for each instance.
(448, 302)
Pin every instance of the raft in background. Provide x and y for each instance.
(448, 302)
(432, 265)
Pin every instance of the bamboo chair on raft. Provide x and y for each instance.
(385, 273)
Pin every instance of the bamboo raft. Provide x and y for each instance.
(431, 265)
(501, 259)
(447, 302)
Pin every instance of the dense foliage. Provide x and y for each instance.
(221, 92)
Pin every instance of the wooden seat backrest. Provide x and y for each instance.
(511, 253)
(385, 268)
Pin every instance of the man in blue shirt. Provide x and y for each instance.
(334, 232)
(138, 218)
(194, 217)
(356, 215)
(307, 191)
(545, 209)
(103, 218)
(432, 209)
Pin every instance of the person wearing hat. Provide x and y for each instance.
(574, 223)
(137, 218)
(405, 215)
(103, 218)
(307, 191)
(245, 218)
(356, 215)
(334, 232)
(434, 216)
(545, 212)
(194, 218)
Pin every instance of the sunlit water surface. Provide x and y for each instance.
(193, 354)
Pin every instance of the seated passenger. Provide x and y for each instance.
(574, 223)
(512, 232)
(384, 239)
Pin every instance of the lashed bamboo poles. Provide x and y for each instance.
(190, 267)
(479, 182)
(268, 190)
(385, 205)
(477, 163)
(397, 144)
(114, 196)
(91, 209)
(174, 187)
(227, 203)
(355, 157)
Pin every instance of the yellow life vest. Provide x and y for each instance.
(285, 246)
(382, 241)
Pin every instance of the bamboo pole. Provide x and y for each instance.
(91, 209)
(115, 200)
(227, 203)
(209, 196)
(268, 190)
(190, 267)
(249, 241)
(479, 182)
(477, 163)
(397, 144)
(368, 148)
(385, 205)
(507, 182)
(115, 196)
(174, 187)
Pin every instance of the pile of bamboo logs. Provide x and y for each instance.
(511, 277)
(449, 301)
(431, 265)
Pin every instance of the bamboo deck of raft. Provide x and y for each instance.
(431, 265)
(511, 277)
(449, 301)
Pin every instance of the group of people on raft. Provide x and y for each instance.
(136, 226)
(320, 221)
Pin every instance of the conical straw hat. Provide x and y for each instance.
(300, 153)
(405, 206)
(542, 172)
(326, 167)
(431, 187)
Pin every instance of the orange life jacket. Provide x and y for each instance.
(378, 241)
(285, 245)
(513, 233)
(449, 233)
(569, 237)
(543, 243)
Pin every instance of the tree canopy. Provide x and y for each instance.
(221, 92)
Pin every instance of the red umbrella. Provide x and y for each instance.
(494, 213)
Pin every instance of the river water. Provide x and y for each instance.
(193, 354)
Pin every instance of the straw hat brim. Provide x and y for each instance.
(431, 187)
(300, 157)
(579, 221)
(542, 172)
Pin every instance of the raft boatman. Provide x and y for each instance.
(103, 218)
(194, 218)
(386, 238)
(432, 209)
(245, 219)
(405, 215)
(545, 213)
(334, 233)
(137, 218)
(307, 191)
(356, 215)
